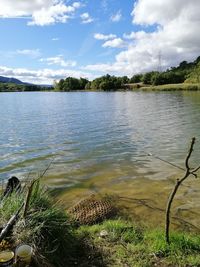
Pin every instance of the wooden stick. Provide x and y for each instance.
(28, 197)
(174, 191)
(10, 223)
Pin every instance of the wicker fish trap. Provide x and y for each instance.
(92, 210)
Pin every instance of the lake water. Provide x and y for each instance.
(98, 140)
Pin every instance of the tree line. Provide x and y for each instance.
(13, 87)
(104, 83)
(184, 72)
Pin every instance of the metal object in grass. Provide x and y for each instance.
(23, 255)
(6, 258)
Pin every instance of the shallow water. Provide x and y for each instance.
(99, 141)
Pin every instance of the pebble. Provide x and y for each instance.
(103, 233)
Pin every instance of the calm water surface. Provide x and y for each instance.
(100, 142)
(92, 133)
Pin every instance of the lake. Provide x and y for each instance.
(100, 142)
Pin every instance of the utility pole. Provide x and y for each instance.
(159, 61)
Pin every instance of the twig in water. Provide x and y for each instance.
(166, 161)
(45, 170)
(145, 202)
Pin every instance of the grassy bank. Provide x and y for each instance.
(46, 228)
(170, 87)
(58, 242)
(126, 244)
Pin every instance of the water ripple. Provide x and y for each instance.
(92, 133)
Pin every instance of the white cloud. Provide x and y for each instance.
(111, 40)
(42, 12)
(86, 18)
(104, 37)
(31, 53)
(34, 53)
(116, 43)
(174, 33)
(55, 39)
(134, 35)
(106, 68)
(76, 5)
(42, 76)
(59, 60)
(116, 17)
(175, 37)
(161, 12)
(53, 14)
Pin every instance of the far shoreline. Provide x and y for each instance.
(135, 87)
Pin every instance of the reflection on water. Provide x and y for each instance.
(97, 136)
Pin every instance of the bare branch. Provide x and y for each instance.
(28, 197)
(178, 183)
(45, 170)
(10, 223)
(189, 154)
(195, 175)
(196, 169)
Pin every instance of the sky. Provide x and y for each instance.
(42, 41)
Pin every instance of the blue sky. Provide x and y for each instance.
(45, 40)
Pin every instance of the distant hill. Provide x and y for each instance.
(10, 80)
(9, 84)
(16, 81)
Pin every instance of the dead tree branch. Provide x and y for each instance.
(188, 172)
(28, 197)
(10, 224)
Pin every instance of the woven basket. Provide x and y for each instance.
(92, 210)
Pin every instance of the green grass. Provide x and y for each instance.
(57, 242)
(129, 245)
(172, 87)
(46, 227)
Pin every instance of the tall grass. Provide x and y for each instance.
(172, 87)
(46, 227)
(127, 244)
(58, 243)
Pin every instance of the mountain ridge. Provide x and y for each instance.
(4, 79)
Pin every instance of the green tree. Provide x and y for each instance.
(123, 79)
(168, 77)
(59, 86)
(88, 86)
(137, 78)
(194, 76)
(107, 82)
(147, 77)
(82, 83)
